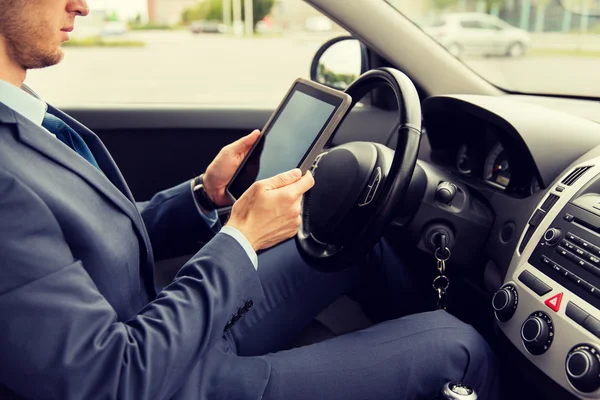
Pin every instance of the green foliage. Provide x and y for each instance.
(442, 4)
(150, 26)
(99, 42)
(213, 10)
(112, 16)
(261, 8)
(490, 4)
(331, 79)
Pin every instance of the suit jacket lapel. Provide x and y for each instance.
(33, 136)
(101, 154)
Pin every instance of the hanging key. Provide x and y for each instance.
(441, 282)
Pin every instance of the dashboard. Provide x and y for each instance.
(487, 155)
(516, 148)
(527, 183)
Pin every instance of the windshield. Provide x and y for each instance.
(527, 46)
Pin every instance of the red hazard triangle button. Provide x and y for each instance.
(554, 302)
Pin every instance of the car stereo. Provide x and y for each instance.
(569, 251)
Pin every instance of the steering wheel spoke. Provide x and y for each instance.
(358, 185)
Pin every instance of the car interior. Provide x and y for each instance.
(508, 182)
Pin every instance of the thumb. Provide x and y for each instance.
(303, 185)
(283, 179)
(245, 144)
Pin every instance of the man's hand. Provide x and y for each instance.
(220, 172)
(269, 211)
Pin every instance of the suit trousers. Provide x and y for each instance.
(405, 358)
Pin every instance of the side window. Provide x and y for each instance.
(490, 26)
(185, 52)
(471, 24)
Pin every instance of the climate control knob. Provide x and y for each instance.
(552, 236)
(505, 302)
(583, 368)
(537, 333)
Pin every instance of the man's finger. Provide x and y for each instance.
(283, 179)
(244, 144)
(303, 185)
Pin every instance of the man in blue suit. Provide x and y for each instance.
(80, 317)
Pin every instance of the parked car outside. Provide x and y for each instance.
(114, 28)
(318, 24)
(478, 34)
(208, 26)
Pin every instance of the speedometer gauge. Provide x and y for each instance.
(463, 160)
(497, 167)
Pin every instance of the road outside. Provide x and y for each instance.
(180, 68)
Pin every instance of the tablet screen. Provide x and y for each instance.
(287, 141)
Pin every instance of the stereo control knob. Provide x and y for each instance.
(504, 303)
(537, 333)
(552, 236)
(583, 368)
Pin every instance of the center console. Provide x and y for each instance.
(549, 304)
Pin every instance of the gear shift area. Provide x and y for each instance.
(457, 391)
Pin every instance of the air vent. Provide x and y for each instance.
(550, 201)
(526, 238)
(573, 176)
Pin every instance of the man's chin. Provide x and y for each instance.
(45, 60)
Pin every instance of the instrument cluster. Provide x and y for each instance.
(492, 160)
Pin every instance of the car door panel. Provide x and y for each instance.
(159, 147)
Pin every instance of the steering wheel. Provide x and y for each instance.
(358, 185)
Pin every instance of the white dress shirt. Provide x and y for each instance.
(34, 109)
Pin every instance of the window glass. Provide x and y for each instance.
(185, 52)
(543, 48)
(471, 24)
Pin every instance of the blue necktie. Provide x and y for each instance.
(68, 136)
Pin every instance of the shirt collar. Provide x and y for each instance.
(23, 102)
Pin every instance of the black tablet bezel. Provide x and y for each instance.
(340, 100)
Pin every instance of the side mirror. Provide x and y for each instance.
(339, 62)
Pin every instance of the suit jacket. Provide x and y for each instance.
(79, 315)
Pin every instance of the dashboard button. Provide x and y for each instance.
(533, 283)
(576, 313)
(546, 261)
(568, 245)
(568, 218)
(589, 267)
(558, 268)
(567, 254)
(588, 288)
(563, 252)
(537, 217)
(593, 259)
(592, 325)
(527, 278)
(554, 302)
(587, 246)
(574, 238)
(594, 270)
(574, 278)
(540, 288)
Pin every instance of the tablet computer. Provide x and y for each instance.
(294, 135)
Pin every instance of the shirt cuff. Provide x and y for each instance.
(241, 239)
(211, 218)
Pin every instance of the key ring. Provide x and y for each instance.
(442, 285)
(447, 250)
